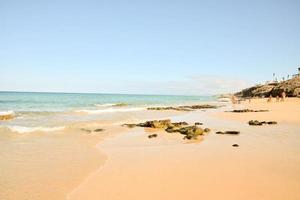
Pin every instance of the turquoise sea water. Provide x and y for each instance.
(52, 109)
(31, 101)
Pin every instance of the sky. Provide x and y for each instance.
(181, 47)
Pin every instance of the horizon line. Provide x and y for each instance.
(10, 91)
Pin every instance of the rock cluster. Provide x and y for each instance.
(290, 87)
(185, 108)
(190, 132)
(260, 123)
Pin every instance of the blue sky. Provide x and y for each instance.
(146, 47)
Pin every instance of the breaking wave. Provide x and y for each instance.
(110, 110)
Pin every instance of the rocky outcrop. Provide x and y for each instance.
(290, 87)
(185, 108)
(247, 110)
(189, 132)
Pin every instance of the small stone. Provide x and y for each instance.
(98, 130)
(235, 145)
(232, 132)
(255, 123)
(228, 132)
(152, 136)
(198, 123)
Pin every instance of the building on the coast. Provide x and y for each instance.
(298, 74)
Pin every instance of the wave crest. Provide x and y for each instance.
(110, 110)
(112, 105)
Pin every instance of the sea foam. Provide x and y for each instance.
(24, 129)
(110, 110)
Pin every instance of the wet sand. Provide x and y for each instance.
(265, 166)
(45, 165)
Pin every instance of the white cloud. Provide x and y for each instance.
(196, 85)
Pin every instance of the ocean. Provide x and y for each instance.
(51, 111)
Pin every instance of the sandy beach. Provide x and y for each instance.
(123, 163)
(149, 100)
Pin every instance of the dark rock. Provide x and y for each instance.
(180, 124)
(255, 123)
(232, 132)
(173, 129)
(152, 136)
(235, 145)
(198, 123)
(98, 130)
(191, 132)
(248, 110)
(185, 108)
(258, 123)
(197, 107)
(156, 124)
(228, 132)
(189, 137)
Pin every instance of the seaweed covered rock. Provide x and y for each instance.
(190, 132)
(247, 110)
(260, 123)
(185, 108)
(156, 124)
(255, 123)
(99, 130)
